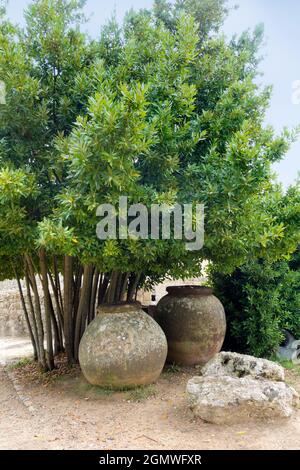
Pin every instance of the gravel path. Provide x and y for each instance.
(70, 414)
(12, 349)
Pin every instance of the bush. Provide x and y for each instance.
(260, 300)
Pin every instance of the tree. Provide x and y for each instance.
(209, 14)
(161, 109)
(42, 68)
(262, 297)
(200, 121)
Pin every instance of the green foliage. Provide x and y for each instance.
(209, 14)
(260, 299)
(18, 192)
(162, 115)
(128, 132)
(21, 363)
(40, 67)
(142, 393)
(290, 298)
(289, 365)
(93, 390)
(172, 118)
(173, 369)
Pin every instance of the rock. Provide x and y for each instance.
(229, 400)
(234, 388)
(239, 365)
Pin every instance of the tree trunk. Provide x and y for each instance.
(57, 322)
(68, 308)
(102, 289)
(30, 329)
(124, 287)
(133, 285)
(48, 307)
(38, 312)
(93, 297)
(84, 306)
(31, 310)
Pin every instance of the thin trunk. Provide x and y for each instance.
(111, 293)
(57, 323)
(32, 337)
(84, 306)
(48, 307)
(31, 310)
(103, 289)
(139, 283)
(93, 297)
(56, 298)
(58, 340)
(133, 285)
(124, 287)
(118, 287)
(68, 307)
(77, 290)
(57, 284)
(38, 312)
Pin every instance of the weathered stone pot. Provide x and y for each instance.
(122, 347)
(194, 322)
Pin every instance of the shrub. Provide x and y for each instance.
(260, 299)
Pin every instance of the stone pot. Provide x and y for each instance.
(123, 347)
(194, 322)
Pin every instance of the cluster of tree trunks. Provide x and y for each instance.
(59, 308)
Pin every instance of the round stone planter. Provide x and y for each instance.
(122, 347)
(194, 322)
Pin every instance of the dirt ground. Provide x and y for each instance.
(65, 412)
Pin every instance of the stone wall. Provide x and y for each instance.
(12, 320)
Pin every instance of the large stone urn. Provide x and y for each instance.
(193, 320)
(123, 347)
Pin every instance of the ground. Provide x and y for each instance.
(14, 348)
(62, 411)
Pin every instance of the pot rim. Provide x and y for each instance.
(119, 307)
(190, 290)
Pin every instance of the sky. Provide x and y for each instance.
(280, 67)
